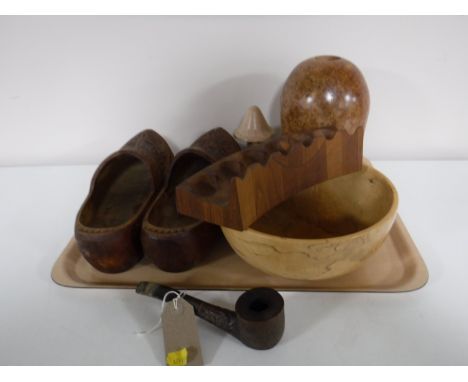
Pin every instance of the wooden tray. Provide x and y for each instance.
(397, 267)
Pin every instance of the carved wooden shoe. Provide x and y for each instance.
(107, 227)
(172, 241)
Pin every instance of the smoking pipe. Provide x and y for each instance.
(258, 319)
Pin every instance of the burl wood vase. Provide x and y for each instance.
(324, 108)
(324, 92)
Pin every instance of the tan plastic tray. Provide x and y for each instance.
(396, 267)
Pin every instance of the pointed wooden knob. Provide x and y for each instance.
(253, 128)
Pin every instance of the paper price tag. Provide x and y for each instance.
(180, 331)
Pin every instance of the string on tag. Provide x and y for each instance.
(158, 324)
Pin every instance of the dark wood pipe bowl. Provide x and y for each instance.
(260, 314)
(258, 320)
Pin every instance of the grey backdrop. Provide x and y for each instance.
(73, 89)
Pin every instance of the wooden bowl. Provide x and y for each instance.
(323, 232)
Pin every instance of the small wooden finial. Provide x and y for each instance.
(253, 128)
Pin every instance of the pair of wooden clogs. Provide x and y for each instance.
(131, 211)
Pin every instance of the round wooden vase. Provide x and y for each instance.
(324, 92)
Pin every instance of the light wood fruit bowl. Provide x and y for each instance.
(323, 232)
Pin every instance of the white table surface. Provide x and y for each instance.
(43, 323)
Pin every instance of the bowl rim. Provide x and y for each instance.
(366, 166)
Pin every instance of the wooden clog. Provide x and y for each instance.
(107, 227)
(174, 242)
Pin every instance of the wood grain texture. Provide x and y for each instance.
(175, 242)
(238, 190)
(253, 128)
(323, 232)
(397, 266)
(324, 91)
(107, 226)
(257, 321)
